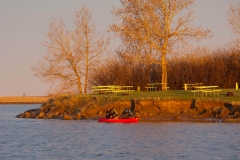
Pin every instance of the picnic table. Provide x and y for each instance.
(102, 89)
(206, 89)
(112, 89)
(122, 89)
(191, 85)
(154, 86)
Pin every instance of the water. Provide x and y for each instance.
(58, 139)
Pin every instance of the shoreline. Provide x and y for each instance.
(191, 120)
(23, 99)
(3, 103)
(149, 110)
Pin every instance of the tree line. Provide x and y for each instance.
(220, 67)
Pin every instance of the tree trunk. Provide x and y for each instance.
(86, 79)
(87, 62)
(164, 72)
(79, 85)
(164, 65)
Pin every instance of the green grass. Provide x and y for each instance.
(73, 102)
(176, 95)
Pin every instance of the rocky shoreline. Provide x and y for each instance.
(148, 110)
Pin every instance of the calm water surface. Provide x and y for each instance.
(58, 139)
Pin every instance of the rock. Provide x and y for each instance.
(40, 115)
(223, 113)
(27, 115)
(49, 115)
(207, 113)
(150, 114)
(143, 113)
(230, 94)
(77, 116)
(137, 114)
(83, 117)
(21, 115)
(67, 117)
(236, 115)
(99, 113)
(194, 117)
(178, 118)
(32, 113)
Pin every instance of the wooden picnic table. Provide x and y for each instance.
(112, 89)
(123, 89)
(102, 89)
(191, 85)
(153, 86)
(206, 90)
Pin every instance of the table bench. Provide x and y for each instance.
(112, 89)
(166, 88)
(151, 88)
(206, 90)
(117, 91)
(191, 86)
(196, 91)
(121, 91)
(156, 86)
(211, 91)
(101, 91)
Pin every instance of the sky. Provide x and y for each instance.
(24, 25)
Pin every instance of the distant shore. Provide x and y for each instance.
(23, 99)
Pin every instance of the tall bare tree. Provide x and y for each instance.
(71, 55)
(234, 18)
(162, 24)
(91, 44)
(234, 23)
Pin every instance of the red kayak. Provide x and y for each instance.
(119, 120)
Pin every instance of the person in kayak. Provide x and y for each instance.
(127, 113)
(111, 114)
(107, 114)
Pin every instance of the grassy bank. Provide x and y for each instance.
(23, 100)
(106, 98)
(176, 95)
(75, 101)
(156, 106)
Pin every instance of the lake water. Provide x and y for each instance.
(88, 139)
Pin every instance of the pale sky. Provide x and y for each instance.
(24, 24)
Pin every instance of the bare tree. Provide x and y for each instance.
(162, 24)
(234, 18)
(71, 55)
(91, 44)
(234, 23)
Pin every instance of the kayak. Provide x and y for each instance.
(119, 120)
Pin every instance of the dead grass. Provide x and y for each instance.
(21, 99)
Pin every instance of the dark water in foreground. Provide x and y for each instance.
(58, 139)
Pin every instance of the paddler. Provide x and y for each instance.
(113, 113)
(127, 113)
(107, 114)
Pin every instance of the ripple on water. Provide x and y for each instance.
(57, 139)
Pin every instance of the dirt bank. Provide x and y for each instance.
(148, 110)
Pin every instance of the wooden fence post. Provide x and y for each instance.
(185, 86)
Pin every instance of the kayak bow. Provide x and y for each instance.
(118, 120)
